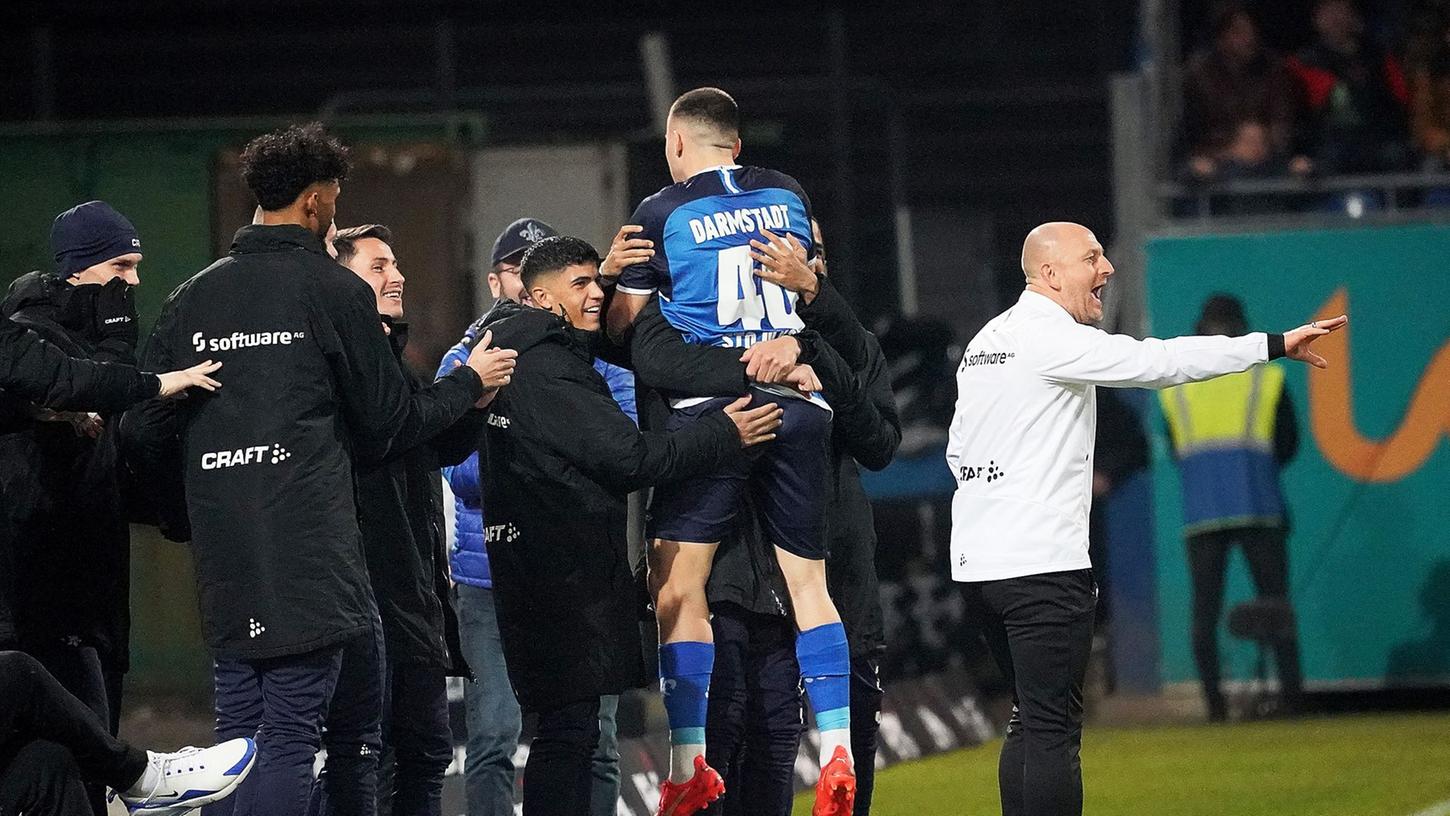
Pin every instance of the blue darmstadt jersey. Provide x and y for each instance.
(701, 228)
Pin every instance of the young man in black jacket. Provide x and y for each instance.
(560, 458)
(400, 514)
(269, 462)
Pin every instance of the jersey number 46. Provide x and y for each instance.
(750, 301)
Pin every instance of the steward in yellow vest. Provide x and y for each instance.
(1230, 436)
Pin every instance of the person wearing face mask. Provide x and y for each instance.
(269, 463)
(1020, 448)
(60, 480)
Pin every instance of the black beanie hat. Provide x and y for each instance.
(88, 234)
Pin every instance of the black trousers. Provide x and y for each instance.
(78, 669)
(866, 694)
(1040, 630)
(50, 743)
(1264, 550)
(352, 732)
(557, 778)
(753, 726)
(417, 742)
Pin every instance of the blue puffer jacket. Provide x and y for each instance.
(468, 556)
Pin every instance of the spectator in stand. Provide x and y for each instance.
(1354, 93)
(1430, 98)
(1249, 154)
(1235, 81)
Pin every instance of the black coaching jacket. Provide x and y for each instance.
(310, 385)
(62, 494)
(35, 370)
(559, 459)
(400, 510)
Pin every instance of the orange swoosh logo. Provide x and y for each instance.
(1331, 411)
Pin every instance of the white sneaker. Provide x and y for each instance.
(190, 778)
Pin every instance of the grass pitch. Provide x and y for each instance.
(1363, 765)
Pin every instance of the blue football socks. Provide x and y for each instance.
(825, 662)
(685, 669)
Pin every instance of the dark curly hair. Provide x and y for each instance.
(552, 254)
(278, 166)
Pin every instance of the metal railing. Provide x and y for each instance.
(1388, 188)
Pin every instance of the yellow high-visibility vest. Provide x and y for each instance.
(1223, 435)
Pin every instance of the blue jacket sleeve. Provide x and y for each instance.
(621, 387)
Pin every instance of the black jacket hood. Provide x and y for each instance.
(520, 327)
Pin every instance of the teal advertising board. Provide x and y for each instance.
(1369, 492)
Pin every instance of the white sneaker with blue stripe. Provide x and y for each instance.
(175, 783)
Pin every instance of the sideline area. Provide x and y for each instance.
(1360, 765)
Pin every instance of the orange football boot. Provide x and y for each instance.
(836, 790)
(703, 788)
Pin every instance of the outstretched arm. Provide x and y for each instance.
(35, 370)
(1087, 355)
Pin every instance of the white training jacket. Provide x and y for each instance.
(1021, 439)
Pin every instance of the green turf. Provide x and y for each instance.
(1370, 765)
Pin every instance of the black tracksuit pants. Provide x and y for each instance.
(1040, 630)
(79, 670)
(754, 725)
(51, 743)
(417, 742)
(558, 778)
(1268, 560)
(348, 782)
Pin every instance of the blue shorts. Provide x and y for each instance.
(787, 478)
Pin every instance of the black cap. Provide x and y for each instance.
(518, 237)
(88, 234)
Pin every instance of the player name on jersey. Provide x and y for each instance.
(733, 222)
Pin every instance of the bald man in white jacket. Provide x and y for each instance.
(1021, 449)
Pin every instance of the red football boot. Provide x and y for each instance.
(703, 788)
(836, 790)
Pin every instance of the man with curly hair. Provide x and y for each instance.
(269, 469)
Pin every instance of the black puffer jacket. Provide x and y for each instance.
(310, 381)
(35, 370)
(32, 369)
(400, 511)
(61, 497)
(559, 460)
